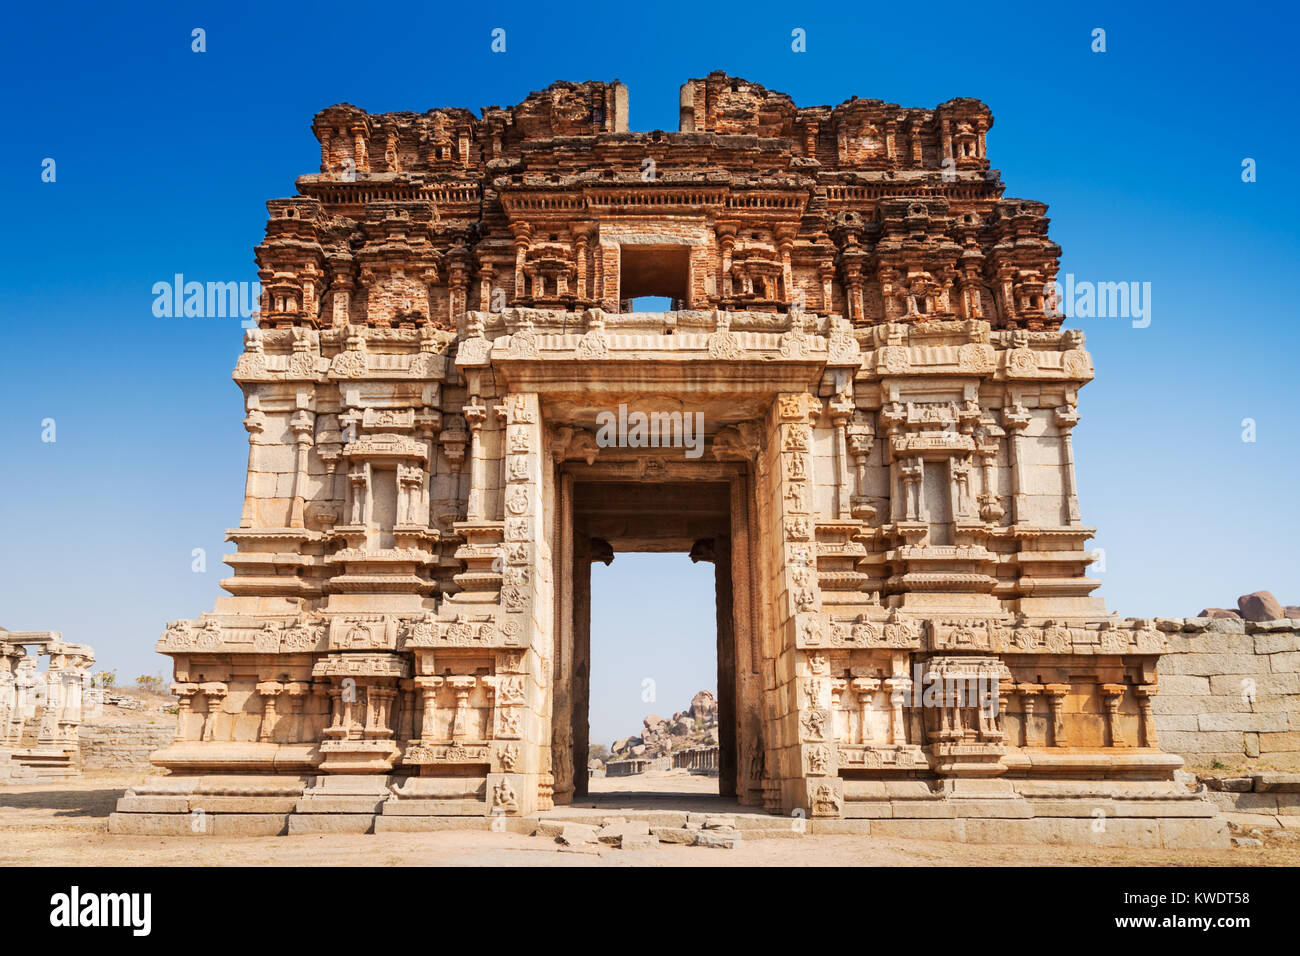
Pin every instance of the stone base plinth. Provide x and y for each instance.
(1140, 814)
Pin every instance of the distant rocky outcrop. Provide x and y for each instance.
(704, 706)
(1257, 606)
(697, 726)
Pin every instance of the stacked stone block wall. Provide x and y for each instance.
(122, 746)
(1230, 692)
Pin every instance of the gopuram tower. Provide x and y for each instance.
(859, 318)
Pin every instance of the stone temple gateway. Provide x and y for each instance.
(886, 488)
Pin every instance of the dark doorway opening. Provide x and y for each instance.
(659, 271)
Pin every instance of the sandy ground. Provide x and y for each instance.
(64, 823)
(675, 781)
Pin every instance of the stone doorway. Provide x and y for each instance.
(707, 517)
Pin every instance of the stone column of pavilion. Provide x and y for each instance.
(11, 717)
(75, 673)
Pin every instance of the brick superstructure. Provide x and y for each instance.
(866, 210)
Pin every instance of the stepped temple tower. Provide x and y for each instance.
(857, 315)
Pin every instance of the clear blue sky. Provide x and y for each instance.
(165, 158)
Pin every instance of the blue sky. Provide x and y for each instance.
(165, 158)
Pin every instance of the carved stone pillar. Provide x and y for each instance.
(302, 424)
(1056, 704)
(461, 685)
(428, 424)
(1006, 288)
(860, 436)
(268, 690)
(336, 727)
(1027, 694)
(1004, 701)
(580, 262)
(379, 707)
(453, 440)
(1113, 694)
(410, 493)
(990, 508)
(948, 727)
(726, 245)
(899, 688)
(865, 688)
(475, 415)
(959, 470)
(1144, 694)
(359, 488)
(341, 286)
(406, 720)
(349, 697)
(840, 730)
(184, 694)
(1066, 418)
(214, 694)
(360, 152)
(431, 279)
(71, 713)
(523, 239)
(47, 732)
(784, 246)
(841, 407)
(598, 275)
(254, 424)
(1015, 418)
(18, 718)
(458, 263)
(486, 272)
(827, 276)
(296, 693)
(326, 150)
(857, 300)
(6, 700)
(912, 473)
(428, 687)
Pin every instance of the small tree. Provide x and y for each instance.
(149, 683)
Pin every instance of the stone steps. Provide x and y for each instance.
(48, 764)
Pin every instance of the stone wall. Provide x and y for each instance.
(122, 746)
(1230, 692)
